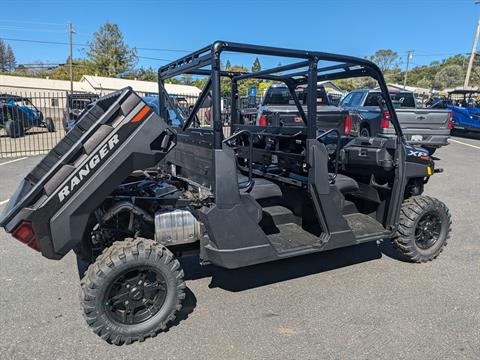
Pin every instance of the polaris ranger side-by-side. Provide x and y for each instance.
(130, 193)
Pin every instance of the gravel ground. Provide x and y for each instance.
(354, 303)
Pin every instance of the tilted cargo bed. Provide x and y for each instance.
(117, 135)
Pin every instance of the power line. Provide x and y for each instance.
(32, 22)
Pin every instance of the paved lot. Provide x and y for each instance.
(354, 303)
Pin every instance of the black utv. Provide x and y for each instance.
(130, 193)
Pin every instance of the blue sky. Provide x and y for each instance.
(434, 29)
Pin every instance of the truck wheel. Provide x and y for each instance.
(133, 289)
(49, 124)
(424, 228)
(14, 129)
(365, 131)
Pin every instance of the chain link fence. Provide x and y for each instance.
(32, 123)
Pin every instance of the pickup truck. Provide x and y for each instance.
(429, 128)
(278, 108)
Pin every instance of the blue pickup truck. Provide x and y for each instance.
(465, 107)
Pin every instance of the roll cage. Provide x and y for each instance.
(306, 71)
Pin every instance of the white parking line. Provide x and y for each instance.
(460, 142)
(3, 202)
(12, 161)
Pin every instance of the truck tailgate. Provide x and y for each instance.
(423, 126)
(116, 136)
(328, 117)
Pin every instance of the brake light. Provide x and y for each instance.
(385, 123)
(24, 233)
(348, 124)
(450, 121)
(263, 120)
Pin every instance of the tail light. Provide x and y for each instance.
(24, 233)
(348, 124)
(385, 123)
(450, 121)
(263, 120)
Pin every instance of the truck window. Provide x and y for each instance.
(281, 96)
(356, 99)
(372, 99)
(346, 100)
(277, 96)
(399, 99)
(403, 99)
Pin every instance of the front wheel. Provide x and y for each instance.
(133, 289)
(424, 228)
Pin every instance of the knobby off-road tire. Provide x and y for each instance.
(132, 291)
(424, 228)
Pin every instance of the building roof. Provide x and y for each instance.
(100, 83)
(89, 83)
(414, 89)
(30, 83)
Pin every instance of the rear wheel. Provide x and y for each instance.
(133, 289)
(365, 131)
(424, 228)
(49, 124)
(14, 129)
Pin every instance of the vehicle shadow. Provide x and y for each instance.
(387, 249)
(466, 135)
(282, 270)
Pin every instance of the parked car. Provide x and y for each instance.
(278, 109)
(464, 105)
(429, 128)
(76, 104)
(18, 114)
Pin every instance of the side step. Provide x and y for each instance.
(365, 227)
(291, 237)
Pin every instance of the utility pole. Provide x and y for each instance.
(409, 57)
(472, 55)
(70, 31)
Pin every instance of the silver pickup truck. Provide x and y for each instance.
(429, 128)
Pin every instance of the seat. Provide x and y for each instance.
(262, 188)
(345, 184)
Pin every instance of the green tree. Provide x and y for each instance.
(109, 53)
(228, 65)
(424, 83)
(7, 57)
(449, 76)
(386, 59)
(256, 65)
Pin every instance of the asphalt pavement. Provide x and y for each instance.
(360, 302)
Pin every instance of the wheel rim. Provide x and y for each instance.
(428, 230)
(136, 295)
(364, 133)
